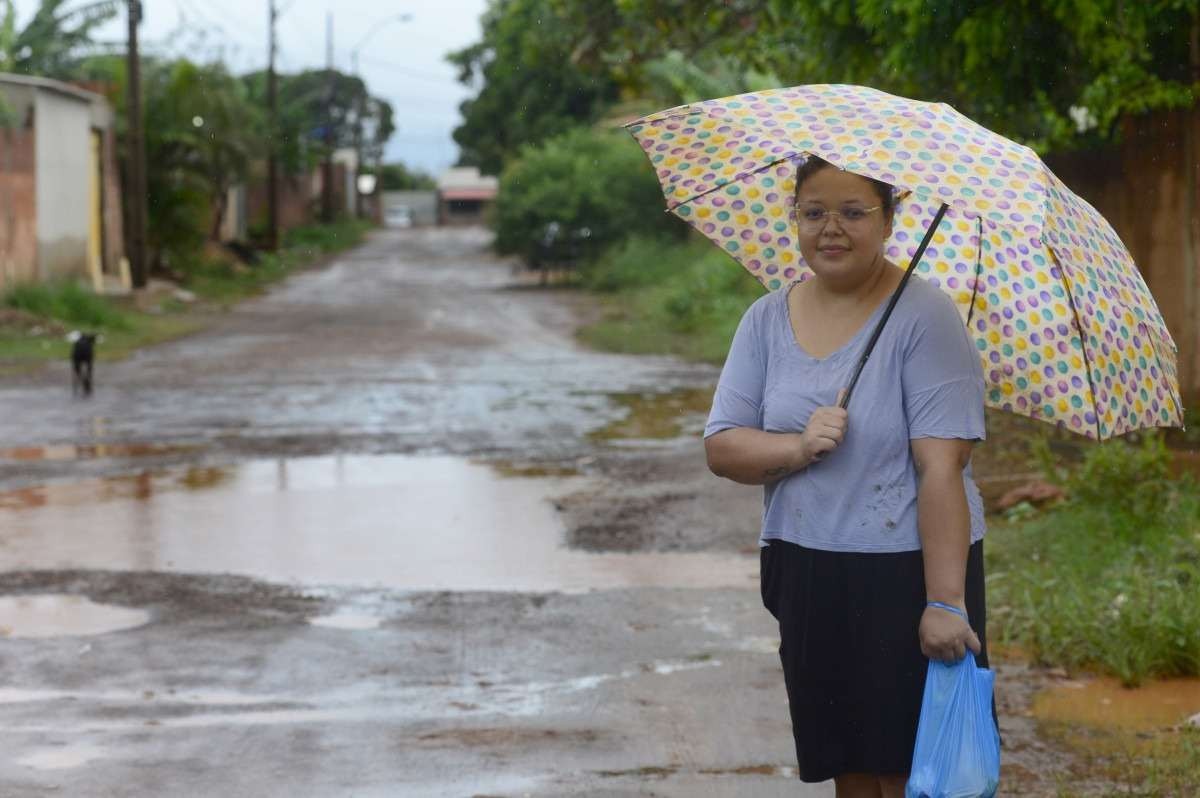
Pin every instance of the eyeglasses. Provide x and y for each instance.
(814, 218)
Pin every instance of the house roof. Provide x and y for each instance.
(466, 177)
(49, 84)
(468, 193)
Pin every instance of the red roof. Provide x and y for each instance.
(468, 193)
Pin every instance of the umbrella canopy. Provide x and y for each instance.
(1064, 323)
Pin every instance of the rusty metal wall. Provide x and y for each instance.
(1146, 187)
(18, 207)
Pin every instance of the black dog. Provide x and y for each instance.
(83, 354)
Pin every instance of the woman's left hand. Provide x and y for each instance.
(946, 636)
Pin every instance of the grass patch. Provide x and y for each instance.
(1109, 581)
(1159, 763)
(69, 303)
(224, 280)
(218, 281)
(668, 297)
(1167, 765)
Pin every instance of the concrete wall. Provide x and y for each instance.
(296, 196)
(422, 203)
(104, 119)
(62, 146)
(233, 224)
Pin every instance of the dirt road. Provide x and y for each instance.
(389, 531)
(327, 537)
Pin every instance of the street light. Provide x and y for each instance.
(358, 211)
(374, 29)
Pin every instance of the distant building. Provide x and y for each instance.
(60, 206)
(464, 195)
(410, 208)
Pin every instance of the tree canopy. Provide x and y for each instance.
(55, 41)
(359, 119)
(1055, 74)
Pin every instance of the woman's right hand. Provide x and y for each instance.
(825, 430)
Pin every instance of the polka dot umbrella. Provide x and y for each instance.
(1066, 328)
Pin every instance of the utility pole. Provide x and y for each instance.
(361, 109)
(327, 210)
(272, 135)
(358, 136)
(136, 168)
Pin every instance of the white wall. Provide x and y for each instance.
(423, 204)
(62, 147)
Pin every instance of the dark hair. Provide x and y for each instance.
(814, 164)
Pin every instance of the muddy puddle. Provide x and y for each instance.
(650, 416)
(70, 451)
(1105, 703)
(421, 523)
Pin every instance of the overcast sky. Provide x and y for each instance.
(403, 62)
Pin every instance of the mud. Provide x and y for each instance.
(291, 646)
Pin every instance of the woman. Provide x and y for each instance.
(871, 517)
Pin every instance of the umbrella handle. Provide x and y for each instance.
(862, 361)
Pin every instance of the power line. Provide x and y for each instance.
(412, 73)
(189, 8)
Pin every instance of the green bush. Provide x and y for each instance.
(68, 302)
(1132, 482)
(684, 298)
(334, 237)
(1129, 478)
(1109, 580)
(583, 179)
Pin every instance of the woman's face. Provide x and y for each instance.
(840, 250)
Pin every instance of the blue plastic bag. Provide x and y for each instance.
(958, 745)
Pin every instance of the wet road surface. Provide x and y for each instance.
(362, 537)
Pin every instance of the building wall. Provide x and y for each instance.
(104, 120)
(463, 213)
(423, 204)
(233, 224)
(18, 190)
(62, 128)
(296, 196)
(1147, 188)
(18, 212)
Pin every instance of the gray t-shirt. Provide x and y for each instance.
(923, 380)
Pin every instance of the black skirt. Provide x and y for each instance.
(852, 660)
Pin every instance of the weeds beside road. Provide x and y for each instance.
(35, 317)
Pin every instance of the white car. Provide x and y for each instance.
(398, 216)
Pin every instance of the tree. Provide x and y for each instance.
(1051, 73)
(55, 41)
(676, 79)
(201, 133)
(582, 180)
(398, 177)
(532, 87)
(359, 119)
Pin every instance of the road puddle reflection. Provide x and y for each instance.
(62, 758)
(70, 451)
(421, 523)
(656, 415)
(350, 622)
(54, 615)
